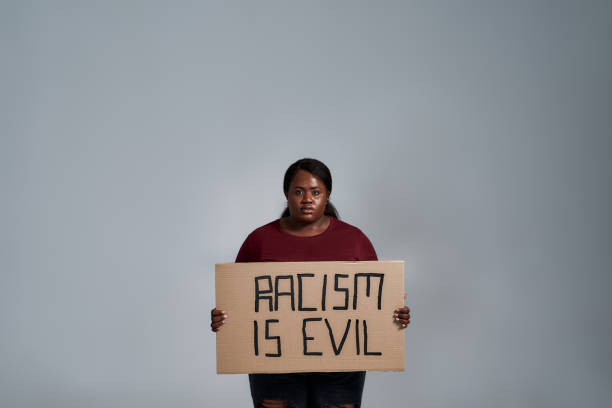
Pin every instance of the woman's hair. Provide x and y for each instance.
(317, 169)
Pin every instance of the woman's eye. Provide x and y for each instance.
(298, 192)
(316, 192)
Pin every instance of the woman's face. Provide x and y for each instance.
(307, 197)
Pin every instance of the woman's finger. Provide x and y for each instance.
(216, 325)
(400, 315)
(219, 318)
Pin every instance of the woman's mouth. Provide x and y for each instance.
(306, 210)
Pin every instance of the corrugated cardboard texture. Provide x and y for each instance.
(243, 346)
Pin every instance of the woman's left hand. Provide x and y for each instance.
(402, 315)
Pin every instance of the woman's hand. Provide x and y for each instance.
(217, 319)
(402, 315)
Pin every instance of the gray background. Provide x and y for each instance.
(142, 142)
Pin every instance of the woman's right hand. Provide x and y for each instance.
(217, 319)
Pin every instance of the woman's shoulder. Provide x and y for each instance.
(251, 247)
(346, 228)
(266, 229)
(361, 246)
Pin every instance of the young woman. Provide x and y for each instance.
(308, 230)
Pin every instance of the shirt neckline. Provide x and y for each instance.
(332, 221)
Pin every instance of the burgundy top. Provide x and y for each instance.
(339, 242)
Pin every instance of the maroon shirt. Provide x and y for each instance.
(339, 242)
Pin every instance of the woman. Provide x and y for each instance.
(308, 230)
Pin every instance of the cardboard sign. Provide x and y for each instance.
(288, 317)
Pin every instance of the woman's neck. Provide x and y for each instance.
(294, 227)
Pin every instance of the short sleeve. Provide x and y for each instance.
(366, 249)
(245, 254)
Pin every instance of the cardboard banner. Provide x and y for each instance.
(288, 317)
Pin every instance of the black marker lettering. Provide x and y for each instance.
(256, 337)
(260, 292)
(345, 290)
(300, 307)
(277, 294)
(323, 291)
(357, 336)
(338, 349)
(306, 338)
(381, 277)
(365, 343)
(277, 338)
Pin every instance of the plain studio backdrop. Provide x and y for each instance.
(143, 141)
